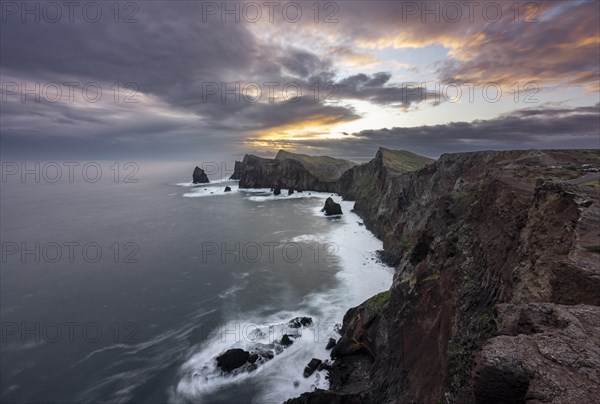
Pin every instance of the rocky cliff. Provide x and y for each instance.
(291, 170)
(496, 294)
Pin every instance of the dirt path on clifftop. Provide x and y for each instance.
(510, 181)
(585, 179)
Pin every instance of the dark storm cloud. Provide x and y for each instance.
(171, 55)
(531, 128)
(301, 63)
(172, 58)
(375, 89)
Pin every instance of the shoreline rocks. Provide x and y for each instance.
(232, 359)
(311, 367)
(300, 322)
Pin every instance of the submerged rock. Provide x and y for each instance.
(286, 340)
(311, 367)
(199, 176)
(331, 208)
(232, 359)
(300, 322)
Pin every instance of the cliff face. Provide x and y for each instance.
(496, 294)
(290, 170)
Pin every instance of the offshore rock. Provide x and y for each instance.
(232, 359)
(331, 208)
(199, 176)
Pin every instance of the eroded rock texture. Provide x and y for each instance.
(496, 294)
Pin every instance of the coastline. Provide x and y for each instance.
(356, 250)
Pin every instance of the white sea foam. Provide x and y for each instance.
(212, 182)
(267, 195)
(205, 190)
(360, 277)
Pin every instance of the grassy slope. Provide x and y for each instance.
(400, 161)
(324, 167)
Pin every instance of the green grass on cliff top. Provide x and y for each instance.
(324, 167)
(401, 161)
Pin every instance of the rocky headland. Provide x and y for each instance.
(496, 293)
(291, 171)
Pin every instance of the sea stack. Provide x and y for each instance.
(331, 208)
(199, 176)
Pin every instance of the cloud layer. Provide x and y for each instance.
(196, 79)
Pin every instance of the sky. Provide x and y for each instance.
(184, 80)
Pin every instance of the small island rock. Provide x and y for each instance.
(199, 176)
(331, 208)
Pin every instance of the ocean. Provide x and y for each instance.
(115, 290)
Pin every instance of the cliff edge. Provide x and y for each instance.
(497, 290)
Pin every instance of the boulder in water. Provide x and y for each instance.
(290, 191)
(232, 359)
(277, 190)
(331, 343)
(286, 340)
(312, 366)
(331, 208)
(199, 176)
(300, 322)
(227, 189)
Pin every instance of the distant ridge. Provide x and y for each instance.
(316, 173)
(325, 167)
